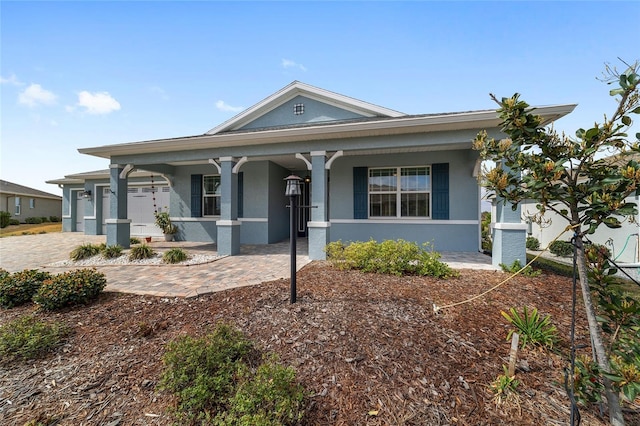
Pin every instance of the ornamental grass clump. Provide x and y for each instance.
(112, 252)
(28, 337)
(395, 257)
(84, 251)
(70, 288)
(140, 252)
(175, 255)
(532, 327)
(18, 288)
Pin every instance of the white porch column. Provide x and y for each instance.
(319, 225)
(228, 225)
(509, 235)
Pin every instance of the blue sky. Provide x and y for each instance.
(81, 74)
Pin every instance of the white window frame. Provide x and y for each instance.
(32, 203)
(399, 192)
(205, 196)
(18, 206)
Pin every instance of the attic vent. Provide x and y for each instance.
(298, 109)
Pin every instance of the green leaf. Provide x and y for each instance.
(626, 120)
(636, 110)
(615, 92)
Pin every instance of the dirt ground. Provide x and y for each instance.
(368, 348)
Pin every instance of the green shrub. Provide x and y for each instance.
(70, 288)
(54, 219)
(398, 257)
(33, 220)
(517, 266)
(532, 328)
(14, 222)
(270, 397)
(142, 251)
(84, 251)
(28, 338)
(134, 240)
(19, 288)
(202, 371)
(111, 252)
(533, 243)
(561, 248)
(5, 217)
(44, 219)
(175, 255)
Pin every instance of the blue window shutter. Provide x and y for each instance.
(241, 194)
(360, 192)
(196, 195)
(440, 190)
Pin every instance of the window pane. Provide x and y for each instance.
(415, 179)
(211, 185)
(415, 205)
(382, 205)
(381, 180)
(211, 206)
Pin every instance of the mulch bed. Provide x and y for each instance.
(368, 348)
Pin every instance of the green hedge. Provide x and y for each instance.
(70, 288)
(18, 288)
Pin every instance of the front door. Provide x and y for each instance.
(79, 212)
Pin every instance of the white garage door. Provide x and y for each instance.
(79, 212)
(141, 206)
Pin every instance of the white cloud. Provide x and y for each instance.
(97, 103)
(12, 80)
(222, 106)
(288, 63)
(35, 95)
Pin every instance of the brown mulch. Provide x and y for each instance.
(368, 348)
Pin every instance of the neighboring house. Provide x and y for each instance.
(369, 172)
(86, 204)
(23, 202)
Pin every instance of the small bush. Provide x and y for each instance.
(20, 287)
(111, 252)
(201, 371)
(44, 219)
(14, 222)
(5, 217)
(533, 243)
(532, 328)
(561, 248)
(175, 255)
(516, 266)
(134, 240)
(140, 252)
(54, 219)
(389, 257)
(28, 338)
(84, 251)
(70, 288)
(505, 388)
(33, 220)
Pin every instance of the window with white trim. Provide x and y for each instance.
(32, 203)
(400, 192)
(18, 206)
(211, 195)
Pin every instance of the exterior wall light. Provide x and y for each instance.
(86, 194)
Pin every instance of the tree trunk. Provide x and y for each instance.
(615, 410)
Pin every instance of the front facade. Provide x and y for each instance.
(368, 172)
(23, 202)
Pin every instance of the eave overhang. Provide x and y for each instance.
(346, 130)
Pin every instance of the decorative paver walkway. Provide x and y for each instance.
(254, 264)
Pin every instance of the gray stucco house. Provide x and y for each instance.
(23, 202)
(369, 172)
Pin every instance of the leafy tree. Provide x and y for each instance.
(584, 179)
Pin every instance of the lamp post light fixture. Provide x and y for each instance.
(293, 192)
(86, 194)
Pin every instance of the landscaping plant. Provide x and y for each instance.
(5, 217)
(18, 288)
(516, 266)
(112, 252)
(84, 251)
(532, 243)
(531, 327)
(505, 388)
(140, 252)
(174, 255)
(28, 337)
(570, 176)
(70, 288)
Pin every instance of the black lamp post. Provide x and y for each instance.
(293, 191)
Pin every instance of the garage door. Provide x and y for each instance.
(141, 204)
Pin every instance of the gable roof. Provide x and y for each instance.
(297, 88)
(10, 188)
